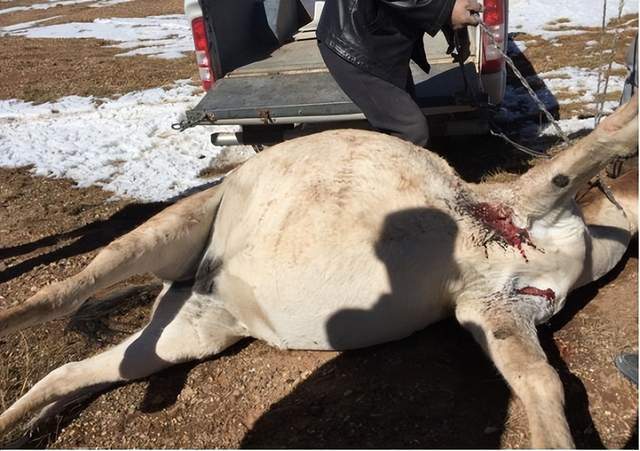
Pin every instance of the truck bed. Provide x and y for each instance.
(291, 84)
(294, 56)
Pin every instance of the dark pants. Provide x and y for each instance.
(388, 108)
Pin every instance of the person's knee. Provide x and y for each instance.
(417, 131)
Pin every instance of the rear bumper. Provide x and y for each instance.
(471, 123)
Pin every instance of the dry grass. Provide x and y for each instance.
(15, 380)
(571, 50)
(85, 13)
(42, 70)
(37, 208)
(580, 109)
(542, 55)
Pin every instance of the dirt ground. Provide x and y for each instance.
(83, 67)
(42, 70)
(84, 13)
(434, 389)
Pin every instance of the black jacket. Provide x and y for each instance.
(381, 36)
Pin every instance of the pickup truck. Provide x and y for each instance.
(262, 72)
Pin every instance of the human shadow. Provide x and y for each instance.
(433, 389)
(88, 238)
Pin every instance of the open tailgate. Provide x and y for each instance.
(292, 85)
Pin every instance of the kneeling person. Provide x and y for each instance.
(367, 46)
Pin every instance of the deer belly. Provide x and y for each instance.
(340, 308)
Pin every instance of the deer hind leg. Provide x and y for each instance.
(184, 326)
(168, 245)
(509, 338)
(552, 182)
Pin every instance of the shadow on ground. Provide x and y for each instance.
(434, 389)
(87, 238)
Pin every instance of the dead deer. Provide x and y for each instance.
(346, 239)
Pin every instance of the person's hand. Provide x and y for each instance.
(465, 12)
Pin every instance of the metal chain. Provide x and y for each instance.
(495, 131)
(493, 127)
(188, 123)
(599, 181)
(526, 85)
(601, 59)
(602, 97)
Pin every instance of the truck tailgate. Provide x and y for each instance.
(293, 85)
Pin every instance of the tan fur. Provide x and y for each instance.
(349, 238)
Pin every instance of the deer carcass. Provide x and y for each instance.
(346, 239)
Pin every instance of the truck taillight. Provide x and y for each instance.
(202, 53)
(492, 60)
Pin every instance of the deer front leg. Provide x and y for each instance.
(183, 327)
(508, 335)
(168, 245)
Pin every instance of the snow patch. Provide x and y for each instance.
(583, 83)
(124, 145)
(166, 36)
(103, 3)
(569, 126)
(54, 3)
(49, 4)
(535, 16)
